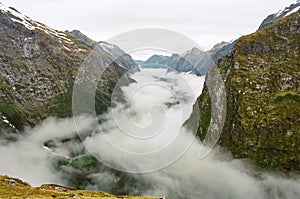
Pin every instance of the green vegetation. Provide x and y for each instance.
(83, 162)
(15, 188)
(14, 114)
(261, 77)
(61, 105)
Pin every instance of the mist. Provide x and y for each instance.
(28, 159)
(168, 157)
(144, 138)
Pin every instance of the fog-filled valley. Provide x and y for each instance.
(161, 156)
(148, 113)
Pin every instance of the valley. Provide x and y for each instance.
(81, 118)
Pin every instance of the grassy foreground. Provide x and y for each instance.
(14, 188)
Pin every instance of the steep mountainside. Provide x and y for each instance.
(271, 19)
(38, 66)
(82, 37)
(221, 49)
(110, 50)
(262, 75)
(117, 54)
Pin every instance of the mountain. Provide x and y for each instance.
(82, 37)
(221, 49)
(199, 62)
(195, 60)
(38, 66)
(117, 54)
(271, 19)
(110, 50)
(139, 62)
(15, 188)
(261, 76)
(198, 59)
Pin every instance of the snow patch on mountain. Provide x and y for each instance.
(16, 16)
(288, 10)
(5, 120)
(30, 24)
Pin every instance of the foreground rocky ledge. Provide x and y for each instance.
(15, 188)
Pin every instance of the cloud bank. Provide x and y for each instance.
(165, 158)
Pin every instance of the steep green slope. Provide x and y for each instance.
(38, 66)
(262, 75)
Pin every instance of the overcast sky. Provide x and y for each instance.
(205, 21)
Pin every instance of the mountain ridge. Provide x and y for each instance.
(194, 60)
(272, 18)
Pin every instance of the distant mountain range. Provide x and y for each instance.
(195, 60)
(199, 62)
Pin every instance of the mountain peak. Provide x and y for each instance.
(193, 52)
(82, 37)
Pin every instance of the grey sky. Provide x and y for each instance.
(206, 22)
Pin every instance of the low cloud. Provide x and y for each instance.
(166, 158)
(28, 158)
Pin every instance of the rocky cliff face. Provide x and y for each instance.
(38, 66)
(261, 76)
